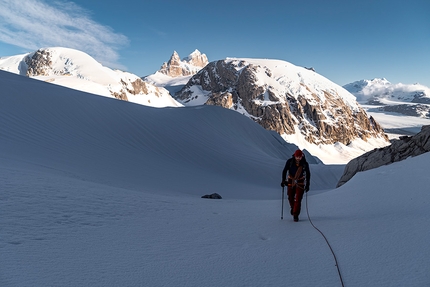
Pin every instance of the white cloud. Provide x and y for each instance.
(34, 24)
(392, 89)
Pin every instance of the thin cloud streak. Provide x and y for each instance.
(33, 24)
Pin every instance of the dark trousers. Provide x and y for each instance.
(295, 196)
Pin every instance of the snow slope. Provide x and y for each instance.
(172, 84)
(287, 78)
(99, 192)
(283, 78)
(77, 70)
(300, 89)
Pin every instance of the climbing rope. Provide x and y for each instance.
(331, 249)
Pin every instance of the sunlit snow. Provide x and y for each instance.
(100, 192)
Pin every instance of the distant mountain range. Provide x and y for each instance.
(299, 104)
(410, 100)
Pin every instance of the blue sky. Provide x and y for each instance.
(344, 40)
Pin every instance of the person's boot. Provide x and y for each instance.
(296, 218)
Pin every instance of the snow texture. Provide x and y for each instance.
(100, 192)
(77, 70)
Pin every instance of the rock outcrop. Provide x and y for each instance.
(130, 87)
(399, 150)
(78, 70)
(39, 64)
(190, 65)
(414, 110)
(321, 111)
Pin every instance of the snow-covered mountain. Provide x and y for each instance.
(299, 104)
(190, 65)
(410, 100)
(77, 70)
(302, 106)
(100, 192)
(175, 73)
(71, 120)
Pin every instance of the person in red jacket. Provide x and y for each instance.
(299, 175)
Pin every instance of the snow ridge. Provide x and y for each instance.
(101, 192)
(77, 70)
(299, 104)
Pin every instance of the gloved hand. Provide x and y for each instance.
(283, 184)
(307, 188)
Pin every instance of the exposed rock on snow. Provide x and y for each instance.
(39, 64)
(212, 196)
(415, 110)
(397, 151)
(77, 70)
(190, 65)
(284, 98)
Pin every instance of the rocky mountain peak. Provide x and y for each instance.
(175, 59)
(190, 65)
(197, 59)
(284, 98)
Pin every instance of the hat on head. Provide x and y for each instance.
(298, 153)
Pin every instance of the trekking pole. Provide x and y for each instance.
(282, 211)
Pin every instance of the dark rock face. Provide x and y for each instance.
(39, 64)
(322, 117)
(397, 151)
(415, 110)
(212, 196)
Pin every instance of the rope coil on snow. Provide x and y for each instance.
(331, 249)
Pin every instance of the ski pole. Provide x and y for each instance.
(282, 211)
